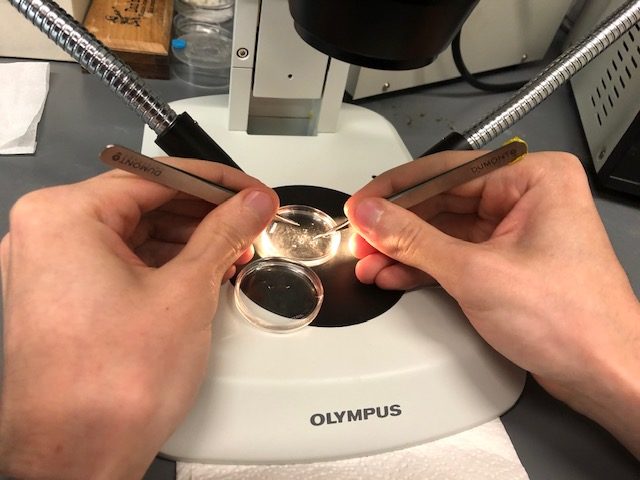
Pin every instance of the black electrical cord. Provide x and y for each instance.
(471, 79)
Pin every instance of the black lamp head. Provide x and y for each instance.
(381, 34)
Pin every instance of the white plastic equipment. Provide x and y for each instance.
(415, 373)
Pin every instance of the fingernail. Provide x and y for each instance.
(368, 213)
(261, 203)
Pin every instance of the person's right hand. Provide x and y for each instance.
(526, 256)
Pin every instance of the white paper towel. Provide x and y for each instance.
(481, 453)
(23, 92)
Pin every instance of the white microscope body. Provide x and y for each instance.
(414, 373)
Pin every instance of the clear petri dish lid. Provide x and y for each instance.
(206, 48)
(215, 10)
(299, 243)
(186, 24)
(277, 295)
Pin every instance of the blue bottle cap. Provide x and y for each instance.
(178, 43)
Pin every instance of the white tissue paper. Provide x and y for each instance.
(481, 453)
(23, 92)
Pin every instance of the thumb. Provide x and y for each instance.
(226, 232)
(405, 237)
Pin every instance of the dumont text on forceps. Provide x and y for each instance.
(509, 153)
(117, 156)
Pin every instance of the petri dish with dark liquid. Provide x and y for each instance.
(278, 295)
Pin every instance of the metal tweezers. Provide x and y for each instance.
(173, 177)
(509, 153)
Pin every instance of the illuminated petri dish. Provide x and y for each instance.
(295, 243)
(278, 295)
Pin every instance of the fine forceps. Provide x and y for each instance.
(117, 156)
(509, 153)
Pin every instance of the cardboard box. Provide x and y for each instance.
(20, 38)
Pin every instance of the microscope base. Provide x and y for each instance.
(415, 373)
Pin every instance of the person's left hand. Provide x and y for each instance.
(109, 287)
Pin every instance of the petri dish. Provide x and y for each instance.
(201, 55)
(216, 11)
(183, 25)
(298, 243)
(277, 295)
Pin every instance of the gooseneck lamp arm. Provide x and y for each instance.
(178, 135)
(545, 83)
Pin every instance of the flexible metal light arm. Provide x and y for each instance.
(178, 135)
(545, 83)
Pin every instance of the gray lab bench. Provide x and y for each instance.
(553, 442)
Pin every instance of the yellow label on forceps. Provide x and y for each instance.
(517, 139)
